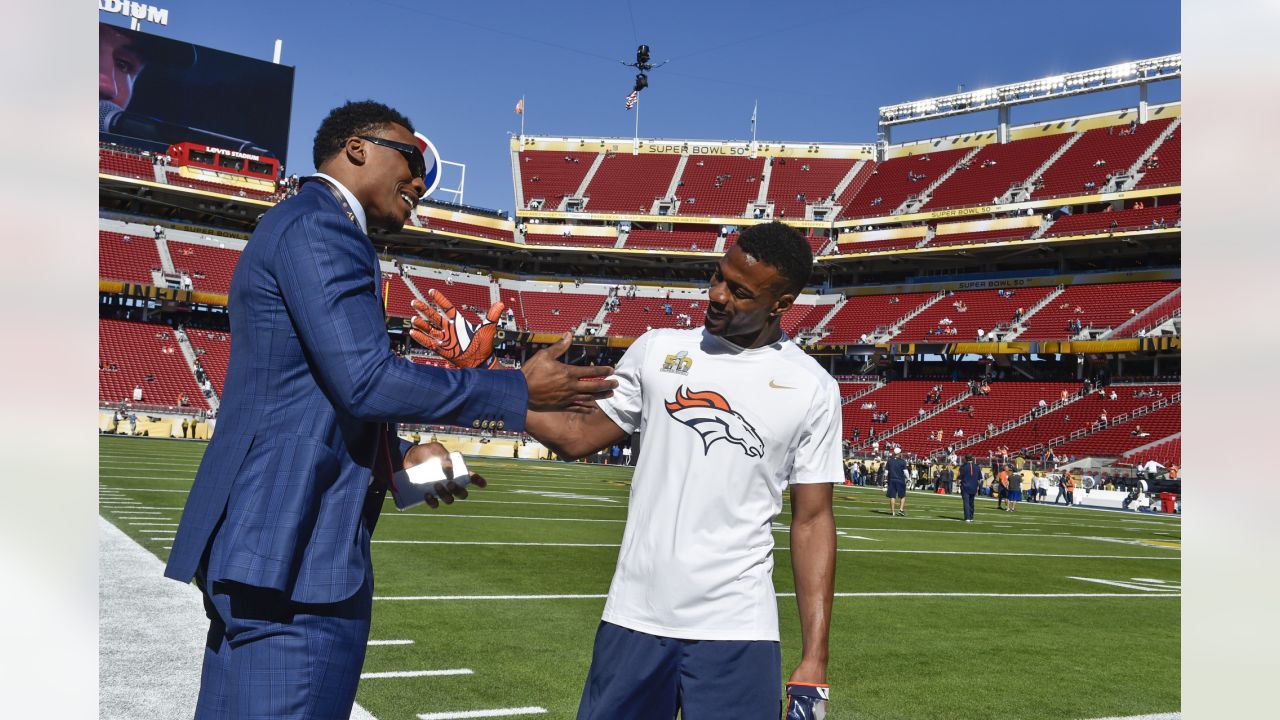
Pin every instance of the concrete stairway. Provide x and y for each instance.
(586, 179)
(1044, 166)
(915, 202)
(1134, 173)
(1021, 327)
(189, 353)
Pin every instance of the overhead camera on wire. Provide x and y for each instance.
(644, 66)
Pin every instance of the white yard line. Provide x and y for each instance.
(376, 643)
(429, 516)
(490, 713)
(471, 598)
(468, 598)
(1156, 716)
(450, 515)
(1004, 554)
(415, 673)
(478, 542)
(777, 549)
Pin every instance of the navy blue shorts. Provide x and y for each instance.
(638, 676)
(896, 489)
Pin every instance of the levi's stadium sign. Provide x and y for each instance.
(136, 10)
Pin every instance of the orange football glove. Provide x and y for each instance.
(452, 336)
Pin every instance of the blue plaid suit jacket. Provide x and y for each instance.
(312, 383)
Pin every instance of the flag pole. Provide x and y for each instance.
(635, 144)
(522, 106)
(754, 110)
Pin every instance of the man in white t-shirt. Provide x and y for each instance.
(731, 417)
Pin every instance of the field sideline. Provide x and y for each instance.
(491, 605)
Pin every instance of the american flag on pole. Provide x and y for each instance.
(633, 98)
(520, 107)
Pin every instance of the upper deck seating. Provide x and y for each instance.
(626, 183)
(552, 176)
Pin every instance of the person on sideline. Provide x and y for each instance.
(277, 525)
(744, 417)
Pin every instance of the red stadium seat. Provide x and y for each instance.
(127, 257)
(863, 314)
(1097, 154)
(890, 182)
(552, 176)
(1101, 306)
(210, 268)
(813, 178)
(626, 183)
(721, 186)
(990, 173)
(142, 357)
(699, 240)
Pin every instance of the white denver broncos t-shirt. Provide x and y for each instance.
(723, 431)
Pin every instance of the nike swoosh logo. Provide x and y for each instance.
(773, 384)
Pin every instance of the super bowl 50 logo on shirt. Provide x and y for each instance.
(678, 363)
(711, 416)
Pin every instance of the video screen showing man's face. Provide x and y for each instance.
(155, 91)
(119, 63)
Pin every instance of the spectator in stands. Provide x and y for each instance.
(137, 393)
(184, 401)
(314, 385)
(1044, 405)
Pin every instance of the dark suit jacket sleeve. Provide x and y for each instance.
(327, 273)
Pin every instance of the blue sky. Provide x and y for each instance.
(820, 70)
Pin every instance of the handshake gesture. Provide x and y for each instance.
(552, 384)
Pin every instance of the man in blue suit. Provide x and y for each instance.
(276, 528)
(970, 480)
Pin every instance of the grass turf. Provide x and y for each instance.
(553, 529)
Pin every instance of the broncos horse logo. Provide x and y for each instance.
(710, 415)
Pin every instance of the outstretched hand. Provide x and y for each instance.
(447, 491)
(556, 386)
(452, 336)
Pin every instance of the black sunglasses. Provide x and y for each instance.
(411, 153)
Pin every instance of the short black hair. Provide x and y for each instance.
(783, 247)
(354, 118)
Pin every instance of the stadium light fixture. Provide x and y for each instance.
(1139, 72)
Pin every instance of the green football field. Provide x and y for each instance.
(1049, 612)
